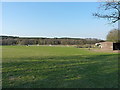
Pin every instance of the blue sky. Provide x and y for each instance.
(53, 19)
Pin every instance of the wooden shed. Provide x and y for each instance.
(110, 46)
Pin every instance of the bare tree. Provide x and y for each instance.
(110, 10)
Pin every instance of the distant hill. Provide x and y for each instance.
(6, 37)
(14, 40)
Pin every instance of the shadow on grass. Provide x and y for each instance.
(95, 71)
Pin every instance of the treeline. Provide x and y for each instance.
(11, 40)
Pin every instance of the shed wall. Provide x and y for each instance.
(107, 45)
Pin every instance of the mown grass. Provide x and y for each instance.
(58, 67)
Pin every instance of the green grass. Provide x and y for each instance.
(58, 67)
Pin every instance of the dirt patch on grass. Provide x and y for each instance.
(105, 50)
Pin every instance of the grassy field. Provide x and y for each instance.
(58, 67)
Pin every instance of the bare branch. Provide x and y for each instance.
(113, 6)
